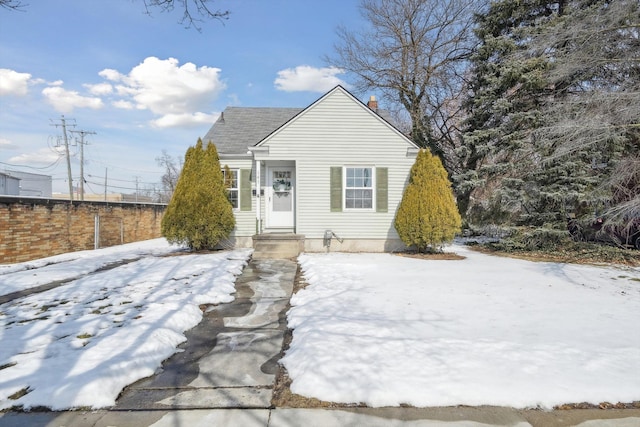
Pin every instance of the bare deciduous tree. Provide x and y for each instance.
(193, 11)
(625, 185)
(596, 76)
(12, 4)
(169, 180)
(415, 53)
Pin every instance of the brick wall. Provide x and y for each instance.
(37, 228)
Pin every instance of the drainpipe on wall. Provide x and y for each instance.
(96, 232)
(258, 198)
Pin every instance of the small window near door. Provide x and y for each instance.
(231, 182)
(358, 192)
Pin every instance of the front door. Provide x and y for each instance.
(281, 185)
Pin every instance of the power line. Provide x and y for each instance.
(120, 187)
(34, 167)
(122, 180)
(126, 169)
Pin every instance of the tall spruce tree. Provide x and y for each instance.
(427, 216)
(199, 214)
(505, 96)
(538, 142)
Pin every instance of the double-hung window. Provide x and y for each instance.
(231, 182)
(358, 191)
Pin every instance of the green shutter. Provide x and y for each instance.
(382, 189)
(336, 188)
(245, 189)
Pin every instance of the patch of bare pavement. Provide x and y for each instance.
(225, 375)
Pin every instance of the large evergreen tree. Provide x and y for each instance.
(505, 96)
(427, 216)
(538, 143)
(199, 214)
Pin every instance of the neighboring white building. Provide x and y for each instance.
(31, 184)
(336, 165)
(9, 185)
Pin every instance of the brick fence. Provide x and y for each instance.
(35, 228)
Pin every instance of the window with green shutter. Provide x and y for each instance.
(336, 189)
(382, 189)
(245, 189)
(363, 188)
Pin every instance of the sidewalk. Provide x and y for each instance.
(370, 417)
(225, 376)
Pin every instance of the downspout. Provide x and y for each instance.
(258, 198)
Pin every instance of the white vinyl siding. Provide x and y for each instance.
(339, 131)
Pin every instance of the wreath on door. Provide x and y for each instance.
(281, 185)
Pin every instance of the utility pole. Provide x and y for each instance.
(82, 143)
(63, 124)
(136, 189)
(105, 184)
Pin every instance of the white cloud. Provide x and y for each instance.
(100, 88)
(184, 119)
(43, 155)
(110, 74)
(305, 78)
(177, 93)
(66, 101)
(5, 144)
(125, 105)
(13, 83)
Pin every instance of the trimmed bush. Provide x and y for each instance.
(428, 215)
(199, 214)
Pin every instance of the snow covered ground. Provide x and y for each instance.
(24, 275)
(385, 330)
(81, 343)
(374, 328)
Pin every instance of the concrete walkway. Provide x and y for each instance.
(230, 359)
(225, 374)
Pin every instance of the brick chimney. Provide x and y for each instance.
(373, 104)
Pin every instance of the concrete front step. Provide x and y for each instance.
(277, 245)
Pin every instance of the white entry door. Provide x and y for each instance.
(281, 184)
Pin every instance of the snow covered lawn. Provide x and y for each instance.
(24, 275)
(80, 344)
(386, 330)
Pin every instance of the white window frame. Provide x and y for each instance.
(236, 173)
(372, 188)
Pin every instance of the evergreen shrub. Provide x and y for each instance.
(428, 215)
(199, 214)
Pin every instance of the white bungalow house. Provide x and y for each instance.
(331, 174)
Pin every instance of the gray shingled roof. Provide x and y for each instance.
(240, 127)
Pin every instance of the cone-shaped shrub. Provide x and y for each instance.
(199, 214)
(427, 216)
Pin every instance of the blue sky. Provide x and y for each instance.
(146, 84)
